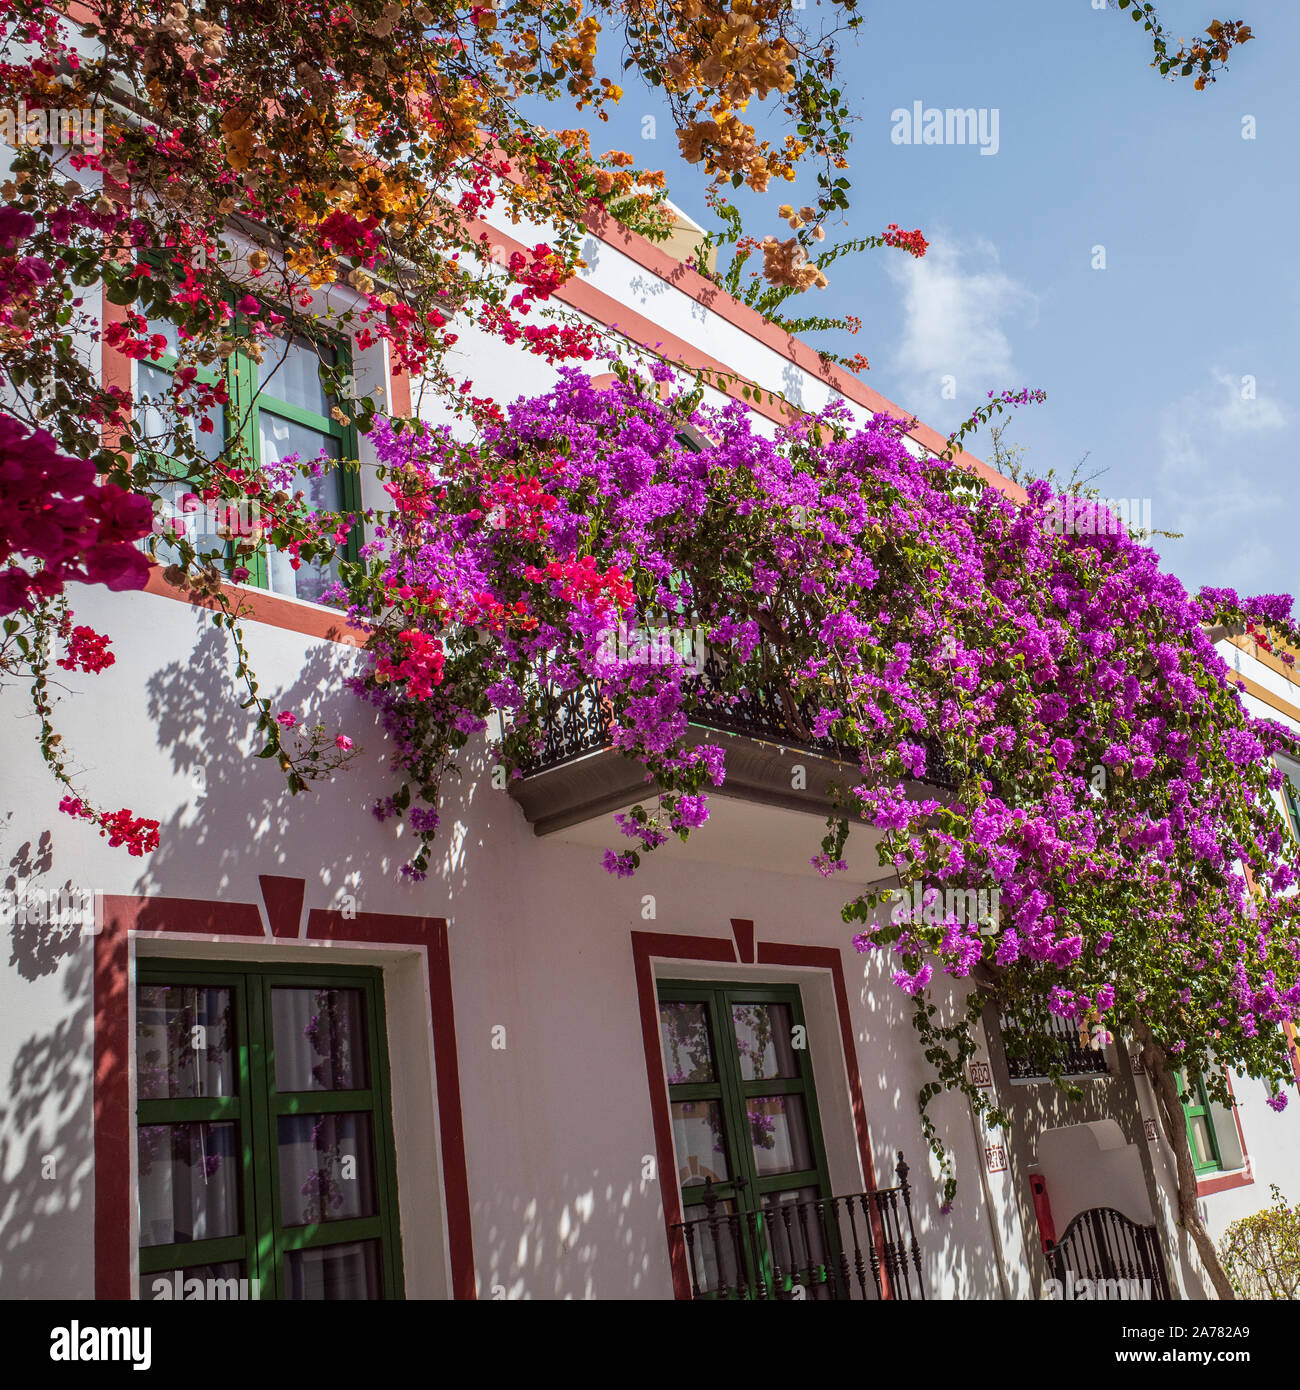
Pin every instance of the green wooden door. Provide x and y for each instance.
(745, 1122)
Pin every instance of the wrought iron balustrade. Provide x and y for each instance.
(832, 1249)
(577, 722)
(1053, 1042)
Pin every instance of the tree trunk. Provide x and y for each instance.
(1170, 1108)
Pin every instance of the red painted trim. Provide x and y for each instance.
(283, 898)
(121, 916)
(1207, 1187)
(431, 933)
(112, 1082)
(664, 944)
(743, 930)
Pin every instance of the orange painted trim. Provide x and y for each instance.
(612, 313)
(690, 282)
(1260, 693)
(1274, 663)
(1293, 1047)
(260, 607)
(399, 387)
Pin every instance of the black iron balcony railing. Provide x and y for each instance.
(577, 722)
(1053, 1042)
(857, 1247)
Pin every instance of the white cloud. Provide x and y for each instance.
(955, 302)
(1212, 488)
(1241, 408)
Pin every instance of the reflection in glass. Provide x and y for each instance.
(778, 1129)
(184, 1042)
(697, 1138)
(706, 1251)
(189, 1182)
(765, 1040)
(327, 1170)
(688, 1048)
(157, 416)
(334, 1272)
(320, 1040)
(282, 440)
(290, 372)
(1202, 1142)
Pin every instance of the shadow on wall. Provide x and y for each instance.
(585, 1245)
(239, 821)
(46, 1141)
(958, 1254)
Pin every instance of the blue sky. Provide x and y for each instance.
(1144, 361)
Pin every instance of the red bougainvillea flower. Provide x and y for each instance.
(87, 651)
(912, 242)
(124, 827)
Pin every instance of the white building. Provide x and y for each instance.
(494, 1083)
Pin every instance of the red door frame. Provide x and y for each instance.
(649, 946)
(124, 916)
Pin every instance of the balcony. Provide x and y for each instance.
(1052, 1045)
(855, 1248)
(579, 775)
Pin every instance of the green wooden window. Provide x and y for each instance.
(280, 409)
(1291, 793)
(1201, 1136)
(741, 1096)
(263, 1131)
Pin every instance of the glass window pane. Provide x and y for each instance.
(688, 1048)
(698, 1139)
(1202, 1141)
(281, 441)
(320, 1039)
(765, 1040)
(327, 1170)
(184, 1042)
(156, 416)
(189, 1182)
(170, 331)
(336, 1271)
(290, 372)
(778, 1128)
(182, 513)
(225, 1282)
